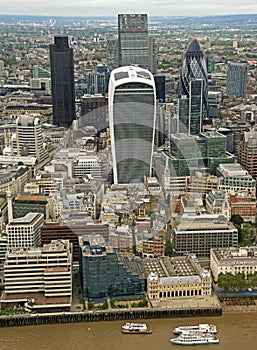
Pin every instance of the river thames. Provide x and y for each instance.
(236, 331)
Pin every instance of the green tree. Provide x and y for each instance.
(168, 248)
(237, 220)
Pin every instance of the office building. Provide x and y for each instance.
(36, 203)
(190, 109)
(29, 138)
(194, 67)
(39, 277)
(103, 274)
(177, 278)
(247, 153)
(234, 178)
(62, 77)
(25, 232)
(93, 111)
(132, 113)
(233, 260)
(199, 233)
(134, 45)
(191, 153)
(236, 79)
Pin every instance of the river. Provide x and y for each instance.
(236, 331)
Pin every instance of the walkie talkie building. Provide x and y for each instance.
(132, 114)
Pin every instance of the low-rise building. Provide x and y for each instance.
(199, 233)
(233, 260)
(39, 277)
(176, 278)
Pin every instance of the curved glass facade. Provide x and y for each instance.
(194, 67)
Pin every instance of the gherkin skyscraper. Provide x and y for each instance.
(194, 67)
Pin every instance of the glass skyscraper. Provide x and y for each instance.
(194, 67)
(62, 78)
(236, 79)
(132, 114)
(134, 45)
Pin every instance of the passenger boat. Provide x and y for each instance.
(195, 338)
(202, 328)
(135, 328)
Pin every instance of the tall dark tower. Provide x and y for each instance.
(62, 77)
(194, 67)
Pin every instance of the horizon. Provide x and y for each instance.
(154, 8)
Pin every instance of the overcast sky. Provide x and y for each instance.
(113, 7)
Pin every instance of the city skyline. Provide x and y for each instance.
(154, 8)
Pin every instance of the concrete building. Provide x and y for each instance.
(236, 79)
(30, 138)
(217, 202)
(234, 178)
(199, 233)
(40, 278)
(25, 231)
(233, 260)
(247, 155)
(178, 278)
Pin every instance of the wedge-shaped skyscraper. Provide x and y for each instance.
(132, 113)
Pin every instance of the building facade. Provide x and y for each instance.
(194, 67)
(62, 80)
(132, 113)
(25, 231)
(102, 274)
(236, 79)
(199, 233)
(40, 277)
(134, 45)
(233, 260)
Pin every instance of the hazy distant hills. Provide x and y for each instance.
(179, 20)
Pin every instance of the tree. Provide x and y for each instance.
(237, 220)
(168, 248)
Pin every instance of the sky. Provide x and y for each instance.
(113, 7)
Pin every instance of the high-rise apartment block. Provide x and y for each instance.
(134, 45)
(236, 79)
(132, 113)
(62, 75)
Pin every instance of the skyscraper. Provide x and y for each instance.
(62, 75)
(132, 113)
(236, 79)
(134, 44)
(190, 108)
(194, 67)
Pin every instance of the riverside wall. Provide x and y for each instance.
(104, 315)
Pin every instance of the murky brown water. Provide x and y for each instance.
(236, 332)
